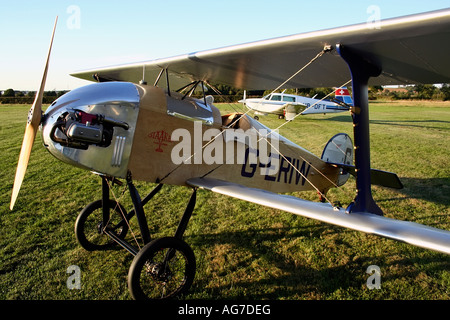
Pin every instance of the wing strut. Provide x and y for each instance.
(361, 69)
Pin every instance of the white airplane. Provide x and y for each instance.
(289, 105)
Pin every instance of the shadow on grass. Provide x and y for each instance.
(426, 124)
(342, 118)
(301, 279)
(434, 190)
(429, 124)
(298, 278)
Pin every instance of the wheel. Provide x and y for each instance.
(162, 269)
(256, 117)
(89, 225)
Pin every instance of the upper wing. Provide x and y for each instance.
(410, 49)
(409, 232)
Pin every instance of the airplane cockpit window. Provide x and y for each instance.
(288, 99)
(191, 109)
(275, 97)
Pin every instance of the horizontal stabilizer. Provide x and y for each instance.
(377, 177)
(405, 231)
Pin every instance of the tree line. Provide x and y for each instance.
(230, 94)
(11, 96)
(412, 92)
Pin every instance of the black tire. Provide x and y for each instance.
(150, 277)
(88, 227)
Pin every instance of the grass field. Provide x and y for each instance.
(243, 250)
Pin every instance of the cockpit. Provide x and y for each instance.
(191, 108)
(280, 97)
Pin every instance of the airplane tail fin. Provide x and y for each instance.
(339, 153)
(339, 150)
(343, 95)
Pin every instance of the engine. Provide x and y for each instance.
(78, 129)
(92, 127)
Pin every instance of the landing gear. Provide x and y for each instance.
(89, 226)
(163, 268)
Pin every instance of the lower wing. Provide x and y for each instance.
(405, 231)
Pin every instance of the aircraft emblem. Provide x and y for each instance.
(161, 137)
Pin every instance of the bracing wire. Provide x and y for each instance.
(274, 130)
(326, 49)
(262, 137)
(283, 124)
(122, 213)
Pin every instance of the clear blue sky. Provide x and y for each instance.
(103, 33)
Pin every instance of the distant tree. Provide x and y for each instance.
(305, 92)
(320, 93)
(50, 94)
(9, 93)
(445, 91)
(424, 91)
(376, 88)
(60, 93)
(374, 91)
(31, 94)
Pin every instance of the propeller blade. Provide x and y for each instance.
(34, 119)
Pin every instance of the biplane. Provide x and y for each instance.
(124, 129)
(287, 106)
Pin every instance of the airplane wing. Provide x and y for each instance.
(409, 232)
(409, 49)
(294, 107)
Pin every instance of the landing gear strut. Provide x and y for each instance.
(163, 268)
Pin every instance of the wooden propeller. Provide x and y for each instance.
(34, 119)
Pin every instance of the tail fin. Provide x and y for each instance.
(339, 150)
(339, 153)
(342, 94)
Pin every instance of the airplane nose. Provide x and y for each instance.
(92, 127)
